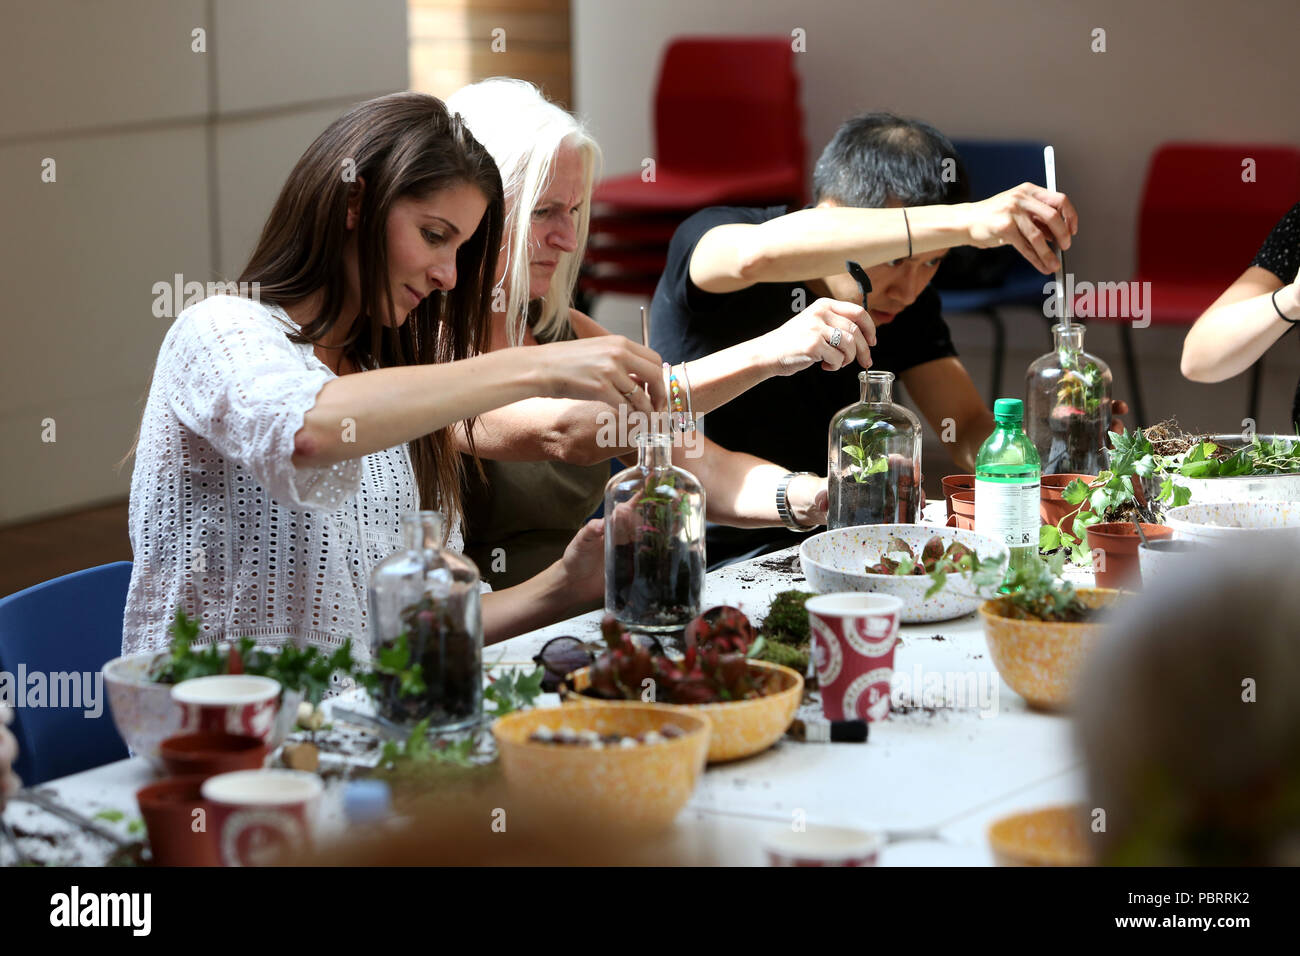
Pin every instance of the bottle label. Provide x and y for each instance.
(1008, 511)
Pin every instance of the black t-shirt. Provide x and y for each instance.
(785, 419)
(1280, 255)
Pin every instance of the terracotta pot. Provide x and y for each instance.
(1052, 508)
(1117, 566)
(206, 755)
(955, 483)
(169, 815)
(963, 508)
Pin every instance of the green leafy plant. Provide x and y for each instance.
(394, 661)
(417, 748)
(1132, 459)
(1207, 459)
(867, 452)
(514, 690)
(303, 669)
(1034, 591)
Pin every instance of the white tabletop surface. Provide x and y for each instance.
(947, 771)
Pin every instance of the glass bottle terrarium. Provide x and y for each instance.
(426, 631)
(1067, 406)
(654, 541)
(875, 459)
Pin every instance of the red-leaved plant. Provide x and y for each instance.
(714, 668)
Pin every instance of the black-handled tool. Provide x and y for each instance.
(860, 276)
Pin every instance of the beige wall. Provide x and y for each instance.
(167, 161)
(1173, 69)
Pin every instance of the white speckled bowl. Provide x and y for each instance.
(837, 560)
(1257, 488)
(1235, 520)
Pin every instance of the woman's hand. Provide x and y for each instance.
(9, 782)
(1027, 217)
(584, 562)
(808, 499)
(807, 338)
(604, 368)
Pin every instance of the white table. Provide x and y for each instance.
(952, 770)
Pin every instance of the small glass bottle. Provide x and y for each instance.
(1068, 410)
(1007, 485)
(654, 541)
(426, 631)
(874, 467)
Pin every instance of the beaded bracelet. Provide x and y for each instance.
(679, 394)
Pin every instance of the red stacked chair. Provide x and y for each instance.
(728, 130)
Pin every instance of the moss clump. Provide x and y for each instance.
(785, 655)
(787, 619)
(785, 631)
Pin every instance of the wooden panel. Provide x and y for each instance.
(478, 27)
(451, 44)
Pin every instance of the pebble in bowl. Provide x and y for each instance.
(837, 560)
(740, 728)
(640, 787)
(1235, 520)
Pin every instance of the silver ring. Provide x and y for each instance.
(836, 337)
(628, 394)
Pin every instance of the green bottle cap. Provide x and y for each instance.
(1009, 410)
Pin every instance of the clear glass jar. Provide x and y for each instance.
(1067, 406)
(425, 614)
(654, 541)
(875, 459)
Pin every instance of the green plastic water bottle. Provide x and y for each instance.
(1007, 479)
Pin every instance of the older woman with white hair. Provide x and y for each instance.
(547, 460)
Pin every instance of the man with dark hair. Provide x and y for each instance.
(890, 193)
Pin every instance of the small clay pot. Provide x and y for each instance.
(1117, 566)
(955, 483)
(963, 509)
(208, 754)
(169, 810)
(1052, 508)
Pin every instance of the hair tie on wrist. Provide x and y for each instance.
(1278, 309)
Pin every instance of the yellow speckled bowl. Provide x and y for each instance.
(1056, 836)
(741, 728)
(1040, 660)
(637, 788)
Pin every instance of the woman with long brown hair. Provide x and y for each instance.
(286, 433)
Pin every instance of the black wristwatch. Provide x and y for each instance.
(783, 506)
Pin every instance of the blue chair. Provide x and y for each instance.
(69, 625)
(993, 166)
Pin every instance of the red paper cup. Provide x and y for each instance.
(822, 846)
(853, 637)
(259, 815)
(243, 705)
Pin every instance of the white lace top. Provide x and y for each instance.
(222, 524)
